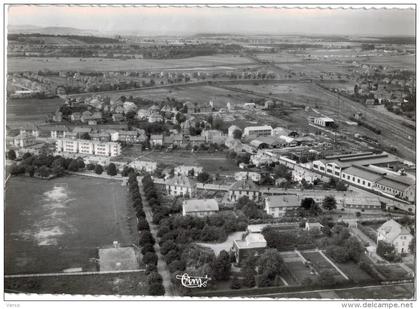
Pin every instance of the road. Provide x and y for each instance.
(162, 268)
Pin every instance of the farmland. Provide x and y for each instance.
(25, 110)
(19, 64)
(55, 225)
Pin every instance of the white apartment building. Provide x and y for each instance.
(106, 149)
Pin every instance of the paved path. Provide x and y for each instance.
(81, 273)
(162, 268)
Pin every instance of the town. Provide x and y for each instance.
(271, 166)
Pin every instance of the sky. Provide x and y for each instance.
(184, 20)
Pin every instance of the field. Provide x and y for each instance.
(107, 284)
(212, 162)
(354, 272)
(321, 264)
(19, 64)
(26, 110)
(58, 224)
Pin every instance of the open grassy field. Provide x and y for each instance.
(212, 162)
(354, 272)
(200, 94)
(108, 284)
(25, 110)
(58, 224)
(19, 64)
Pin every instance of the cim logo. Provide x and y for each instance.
(193, 282)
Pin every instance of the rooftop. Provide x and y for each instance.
(364, 172)
(392, 229)
(197, 205)
(245, 184)
(282, 201)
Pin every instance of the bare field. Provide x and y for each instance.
(25, 110)
(19, 64)
(54, 225)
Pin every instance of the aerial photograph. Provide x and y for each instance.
(184, 152)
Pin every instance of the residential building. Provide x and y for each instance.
(155, 118)
(118, 117)
(232, 129)
(156, 140)
(180, 186)
(199, 207)
(30, 129)
(256, 131)
(213, 136)
(76, 116)
(24, 140)
(100, 136)
(145, 166)
(394, 233)
(252, 244)
(188, 170)
(88, 147)
(244, 188)
(279, 205)
(254, 176)
(196, 140)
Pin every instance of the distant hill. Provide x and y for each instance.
(14, 29)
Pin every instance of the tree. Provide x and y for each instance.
(111, 170)
(147, 248)
(142, 224)
(412, 245)
(167, 246)
(85, 136)
(338, 253)
(98, 169)
(146, 238)
(150, 258)
(221, 266)
(156, 289)
(17, 169)
(90, 167)
(386, 250)
(354, 248)
(73, 166)
(176, 265)
(80, 163)
(203, 177)
(329, 203)
(307, 203)
(270, 262)
(235, 284)
(154, 277)
(248, 277)
(237, 134)
(11, 154)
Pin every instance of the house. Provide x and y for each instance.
(232, 129)
(252, 244)
(195, 108)
(256, 131)
(76, 116)
(58, 131)
(213, 136)
(244, 188)
(24, 140)
(118, 117)
(254, 176)
(142, 114)
(146, 166)
(394, 233)
(313, 226)
(180, 186)
(100, 136)
(30, 129)
(199, 207)
(156, 140)
(80, 131)
(155, 118)
(278, 205)
(188, 170)
(132, 137)
(197, 140)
